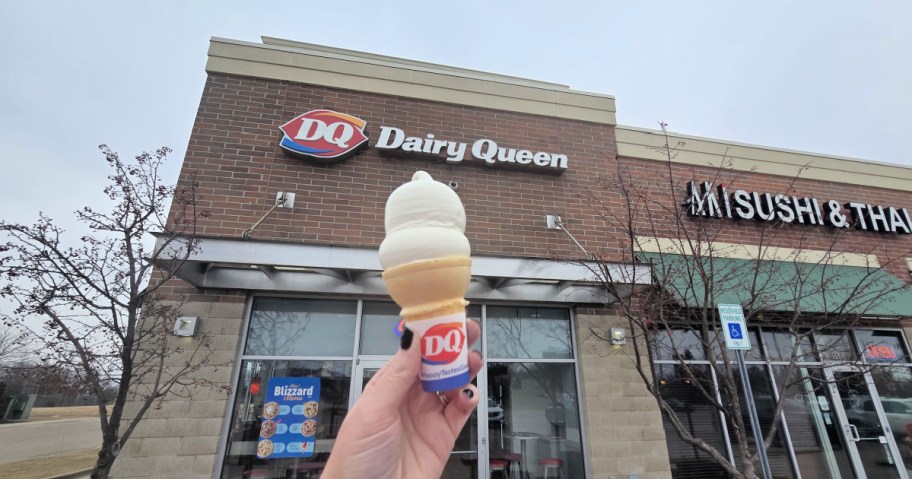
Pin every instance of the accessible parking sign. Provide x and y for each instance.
(734, 327)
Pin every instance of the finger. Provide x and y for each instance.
(461, 407)
(473, 331)
(388, 388)
(475, 364)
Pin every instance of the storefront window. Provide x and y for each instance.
(531, 399)
(249, 416)
(780, 345)
(846, 391)
(533, 407)
(765, 402)
(379, 324)
(301, 327)
(881, 346)
(536, 414)
(685, 391)
(835, 346)
(678, 344)
(528, 333)
(814, 429)
(894, 384)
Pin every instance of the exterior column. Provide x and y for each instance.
(624, 423)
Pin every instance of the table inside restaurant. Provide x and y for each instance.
(525, 443)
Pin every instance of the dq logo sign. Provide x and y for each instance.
(324, 135)
(442, 343)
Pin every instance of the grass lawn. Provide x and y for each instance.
(47, 466)
(50, 413)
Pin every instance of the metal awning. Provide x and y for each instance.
(781, 285)
(227, 263)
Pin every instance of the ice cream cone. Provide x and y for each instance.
(430, 293)
(430, 288)
(427, 269)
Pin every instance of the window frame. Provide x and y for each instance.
(240, 357)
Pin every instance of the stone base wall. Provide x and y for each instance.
(623, 420)
(181, 438)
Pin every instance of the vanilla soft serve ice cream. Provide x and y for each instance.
(424, 219)
(427, 268)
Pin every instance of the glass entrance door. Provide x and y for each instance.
(463, 463)
(866, 432)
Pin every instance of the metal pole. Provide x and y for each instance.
(755, 422)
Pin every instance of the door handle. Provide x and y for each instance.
(852, 432)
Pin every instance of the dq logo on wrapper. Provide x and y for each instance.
(324, 135)
(442, 343)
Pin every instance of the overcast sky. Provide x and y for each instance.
(823, 76)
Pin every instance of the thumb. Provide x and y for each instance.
(388, 388)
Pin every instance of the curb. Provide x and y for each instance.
(72, 475)
(48, 421)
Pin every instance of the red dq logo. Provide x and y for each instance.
(324, 135)
(442, 343)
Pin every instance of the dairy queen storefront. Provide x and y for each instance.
(295, 149)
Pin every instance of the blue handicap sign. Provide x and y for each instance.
(732, 318)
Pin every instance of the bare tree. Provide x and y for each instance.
(102, 299)
(13, 346)
(677, 345)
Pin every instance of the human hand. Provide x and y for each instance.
(396, 430)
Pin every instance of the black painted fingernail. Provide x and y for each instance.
(407, 336)
(468, 392)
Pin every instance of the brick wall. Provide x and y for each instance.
(652, 179)
(235, 156)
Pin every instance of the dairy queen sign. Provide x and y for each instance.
(327, 136)
(716, 201)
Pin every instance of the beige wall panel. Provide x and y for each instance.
(409, 80)
(650, 244)
(641, 143)
(183, 434)
(624, 425)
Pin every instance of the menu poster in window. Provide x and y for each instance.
(290, 414)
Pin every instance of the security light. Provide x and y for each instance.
(186, 326)
(618, 336)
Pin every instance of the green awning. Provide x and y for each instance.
(780, 285)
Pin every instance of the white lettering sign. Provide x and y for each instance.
(486, 150)
(705, 200)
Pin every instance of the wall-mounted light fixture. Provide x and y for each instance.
(618, 336)
(284, 199)
(554, 222)
(186, 326)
